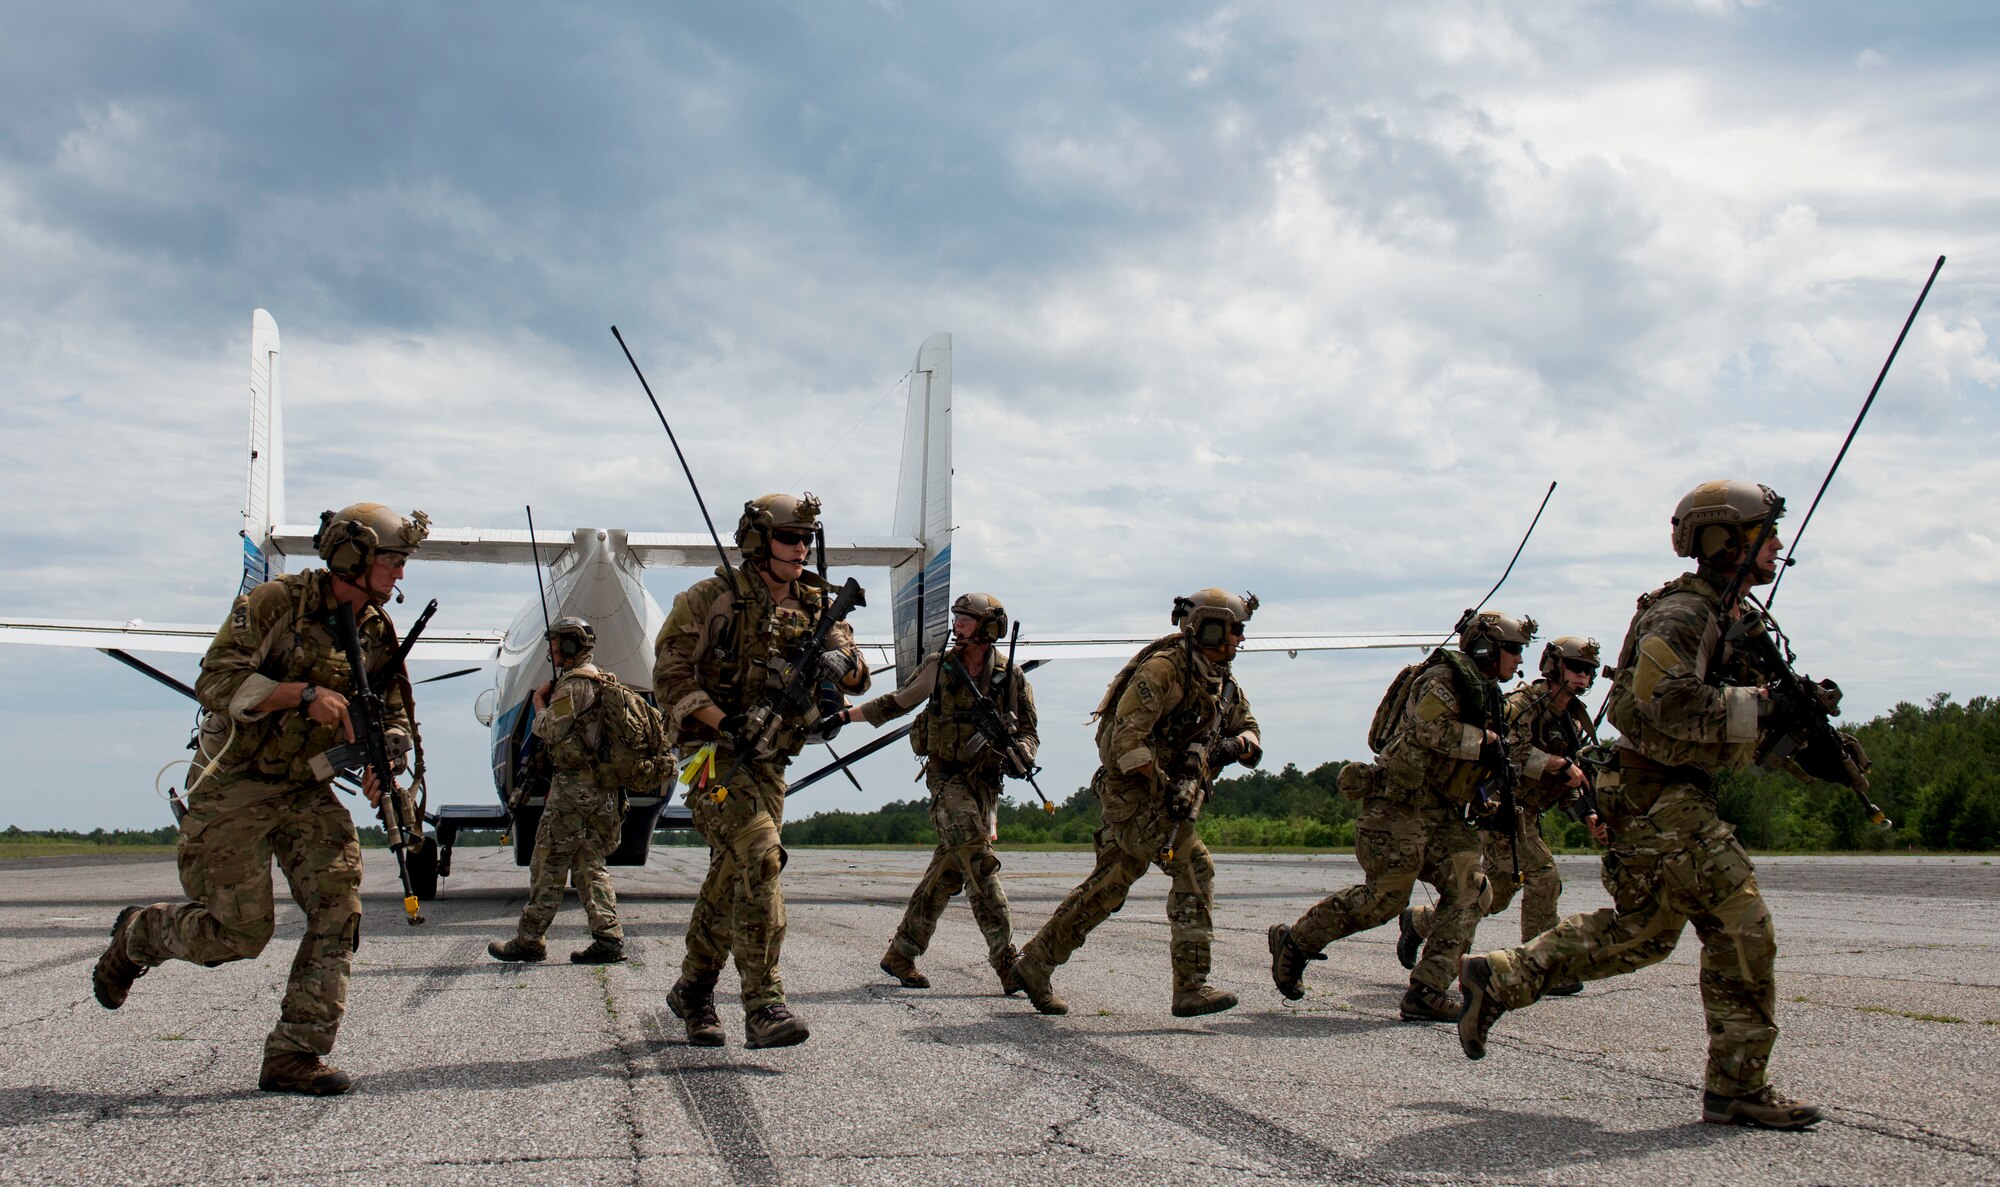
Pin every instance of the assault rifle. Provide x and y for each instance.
(1801, 731)
(1495, 805)
(798, 690)
(1197, 767)
(365, 711)
(992, 724)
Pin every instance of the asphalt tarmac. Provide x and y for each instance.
(469, 1071)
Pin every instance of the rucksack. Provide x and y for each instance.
(1389, 714)
(632, 750)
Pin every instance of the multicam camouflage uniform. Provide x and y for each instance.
(1538, 741)
(714, 650)
(1672, 860)
(263, 800)
(1411, 824)
(964, 776)
(1167, 704)
(580, 824)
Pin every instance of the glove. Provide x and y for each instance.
(835, 665)
(824, 729)
(1183, 799)
(732, 727)
(1228, 751)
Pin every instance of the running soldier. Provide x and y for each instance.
(1444, 751)
(729, 643)
(1686, 705)
(274, 685)
(963, 769)
(1546, 726)
(1172, 719)
(581, 823)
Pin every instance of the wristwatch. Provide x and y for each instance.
(307, 694)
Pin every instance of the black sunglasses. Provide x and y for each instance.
(792, 537)
(1580, 667)
(1512, 648)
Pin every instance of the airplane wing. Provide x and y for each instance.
(193, 639)
(881, 652)
(511, 546)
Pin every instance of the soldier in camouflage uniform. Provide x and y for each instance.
(728, 642)
(1171, 720)
(1686, 706)
(580, 824)
(963, 770)
(1546, 725)
(274, 684)
(1412, 819)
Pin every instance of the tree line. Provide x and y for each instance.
(1936, 773)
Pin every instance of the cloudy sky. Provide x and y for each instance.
(1307, 299)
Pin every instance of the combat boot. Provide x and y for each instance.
(904, 970)
(518, 951)
(1288, 963)
(1032, 977)
(694, 1004)
(1764, 1108)
(1408, 942)
(1003, 964)
(307, 1075)
(112, 979)
(1202, 999)
(1480, 1010)
(601, 951)
(773, 1026)
(1421, 1003)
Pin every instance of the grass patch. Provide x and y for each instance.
(604, 986)
(1910, 1014)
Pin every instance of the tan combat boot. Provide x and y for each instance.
(112, 979)
(304, 1074)
(1764, 1108)
(1032, 976)
(904, 970)
(1421, 1003)
(601, 951)
(694, 1004)
(1480, 1009)
(1288, 962)
(1003, 964)
(1202, 999)
(773, 1026)
(518, 951)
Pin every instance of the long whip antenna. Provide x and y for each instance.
(692, 484)
(1855, 428)
(1465, 619)
(536, 548)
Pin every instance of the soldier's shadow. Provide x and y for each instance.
(1295, 1024)
(1484, 1142)
(31, 1106)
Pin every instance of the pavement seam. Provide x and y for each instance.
(719, 1106)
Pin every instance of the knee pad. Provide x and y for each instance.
(1202, 866)
(353, 936)
(769, 863)
(987, 863)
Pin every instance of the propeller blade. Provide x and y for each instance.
(449, 675)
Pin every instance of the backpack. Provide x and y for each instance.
(632, 751)
(1389, 714)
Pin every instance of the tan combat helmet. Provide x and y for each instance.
(572, 636)
(1209, 616)
(1718, 517)
(349, 539)
(987, 610)
(774, 513)
(1482, 635)
(1573, 649)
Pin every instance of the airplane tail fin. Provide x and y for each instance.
(920, 614)
(264, 500)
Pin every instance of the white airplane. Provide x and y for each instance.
(596, 574)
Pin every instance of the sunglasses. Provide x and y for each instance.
(792, 537)
(1236, 628)
(1512, 648)
(1580, 667)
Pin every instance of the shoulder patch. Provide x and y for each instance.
(1657, 658)
(562, 706)
(1433, 705)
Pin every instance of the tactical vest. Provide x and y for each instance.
(1409, 766)
(946, 730)
(1531, 710)
(746, 659)
(1179, 725)
(300, 645)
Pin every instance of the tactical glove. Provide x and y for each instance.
(1183, 799)
(1228, 751)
